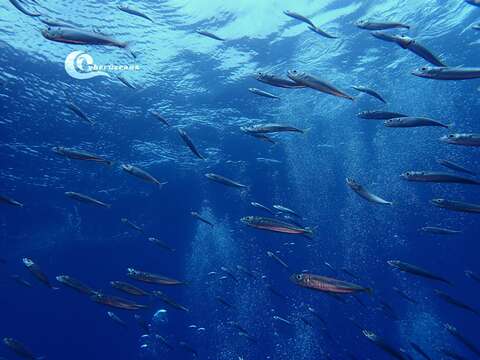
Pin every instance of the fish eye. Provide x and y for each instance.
(423, 68)
(407, 173)
(299, 277)
(451, 136)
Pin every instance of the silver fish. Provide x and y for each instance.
(408, 122)
(462, 139)
(360, 190)
(312, 82)
(371, 25)
(447, 73)
(209, 35)
(437, 177)
(132, 11)
(86, 199)
(439, 231)
(262, 93)
(142, 174)
(456, 205)
(369, 92)
(225, 181)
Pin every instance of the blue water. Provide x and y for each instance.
(200, 85)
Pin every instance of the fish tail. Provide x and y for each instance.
(448, 126)
(309, 232)
(369, 291)
(161, 184)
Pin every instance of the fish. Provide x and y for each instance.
(152, 278)
(246, 271)
(277, 81)
(247, 336)
(75, 284)
(132, 11)
(225, 302)
(320, 32)
(125, 82)
(327, 284)
(409, 122)
(116, 319)
(379, 115)
(371, 25)
(437, 177)
(461, 338)
(142, 174)
(369, 92)
(229, 273)
(455, 302)
(8, 200)
(462, 139)
(80, 155)
(260, 206)
(476, 26)
(474, 276)
(299, 17)
(451, 165)
(473, 2)
(169, 301)
(160, 118)
(410, 44)
(364, 193)
(277, 259)
(268, 161)
(275, 225)
(186, 139)
(77, 111)
(86, 199)
(284, 209)
(330, 266)
(312, 82)
(415, 270)
(317, 315)
(129, 288)
(261, 137)
(270, 129)
(447, 73)
(383, 345)
(209, 35)
(24, 10)
(132, 225)
(188, 348)
(262, 93)
(281, 319)
(420, 351)
(439, 231)
(37, 272)
(20, 349)
(225, 181)
(116, 302)
(20, 280)
(160, 243)
(404, 295)
(456, 206)
(197, 216)
(80, 37)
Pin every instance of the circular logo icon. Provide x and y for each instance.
(80, 65)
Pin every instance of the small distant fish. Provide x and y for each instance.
(8, 200)
(260, 206)
(246, 271)
(128, 288)
(320, 32)
(370, 25)
(437, 177)
(460, 337)
(188, 141)
(383, 345)
(160, 243)
(86, 199)
(80, 37)
(285, 210)
(125, 82)
(169, 301)
(312, 82)
(225, 302)
(131, 224)
(116, 319)
(18, 5)
(410, 122)
(132, 11)
(275, 225)
(37, 272)
(160, 118)
(270, 128)
(317, 315)
(370, 92)
(277, 259)
(277, 81)
(209, 35)
(299, 17)
(455, 302)
(75, 284)
(262, 93)
(327, 264)
(281, 319)
(77, 111)
(404, 295)
(229, 273)
(80, 155)
(152, 278)
(452, 354)
(142, 174)
(197, 216)
(326, 284)
(116, 302)
(225, 181)
(360, 190)
(439, 231)
(462, 139)
(474, 276)
(20, 349)
(451, 165)
(447, 73)
(415, 270)
(268, 161)
(379, 115)
(456, 206)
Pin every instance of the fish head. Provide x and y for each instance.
(370, 335)
(361, 23)
(247, 219)
(52, 33)
(394, 263)
(450, 327)
(8, 341)
(127, 167)
(411, 175)
(438, 202)
(450, 138)
(27, 262)
(131, 271)
(352, 183)
(210, 175)
(300, 279)
(295, 75)
(61, 278)
(58, 149)
(425, 72)
(260, 76)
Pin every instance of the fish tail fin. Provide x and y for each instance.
(306, 131)
(369, 291)
(448, 126)
(309, 232)
(161, 184)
